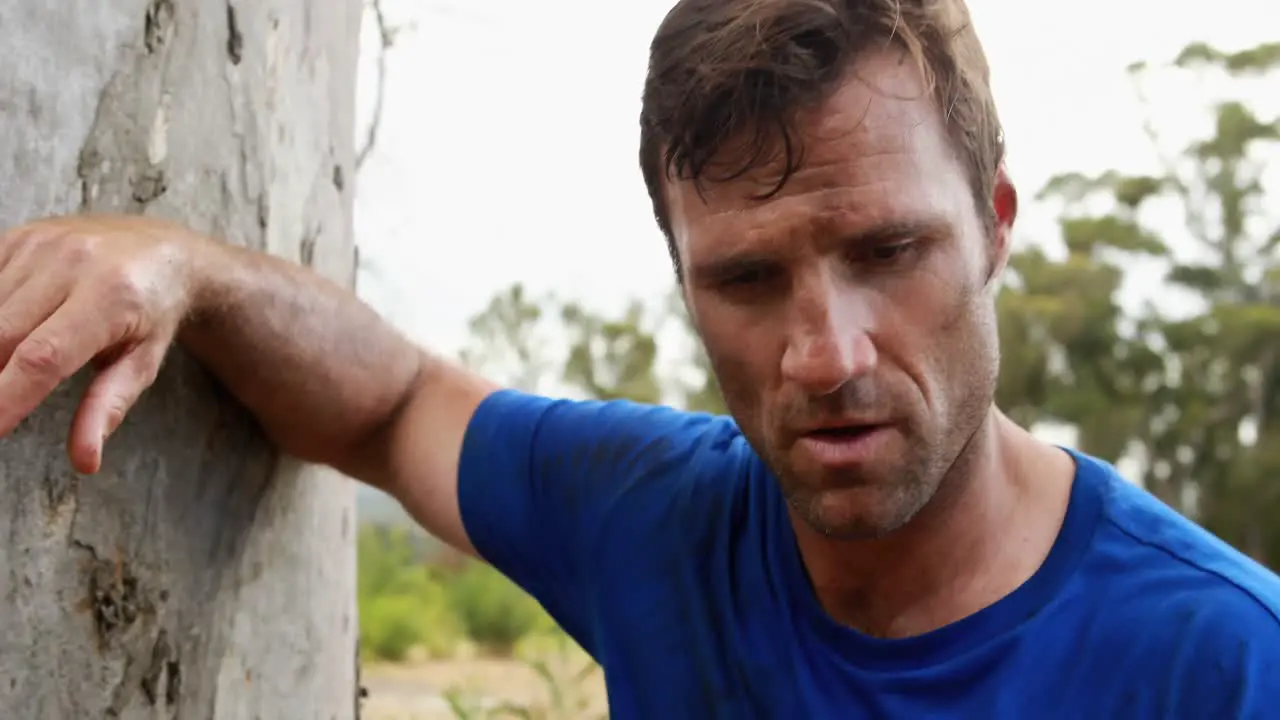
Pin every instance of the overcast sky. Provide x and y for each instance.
(507, 150)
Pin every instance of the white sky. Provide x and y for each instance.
(508, 144)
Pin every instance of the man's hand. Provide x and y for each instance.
(328, 380)
(110, 291)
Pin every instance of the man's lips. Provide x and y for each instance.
(843, 445)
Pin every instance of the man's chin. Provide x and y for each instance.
(861, 512)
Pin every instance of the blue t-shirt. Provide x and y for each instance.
(661, 543)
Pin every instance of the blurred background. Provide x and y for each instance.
(501, 218)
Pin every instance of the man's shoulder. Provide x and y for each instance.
(1161, 549)
(1201, 615)
(578, 500)
(630, 463)
(615, 438)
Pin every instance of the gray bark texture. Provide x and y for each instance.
(199, 575)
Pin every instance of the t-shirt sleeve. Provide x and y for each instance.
(538, 477)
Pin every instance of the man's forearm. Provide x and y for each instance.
(320, 370)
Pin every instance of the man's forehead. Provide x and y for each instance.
(793, 222)
(828, 195)
(867, 131)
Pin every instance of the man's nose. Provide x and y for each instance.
(828, 342)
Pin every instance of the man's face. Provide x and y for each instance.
(850, 318)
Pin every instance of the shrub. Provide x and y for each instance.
(492, 610)
(401, 605)
(404, 604)
(390, 625)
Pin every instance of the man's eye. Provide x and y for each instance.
(748, 276)
(889, 254)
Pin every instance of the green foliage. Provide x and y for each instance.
(509, 341)
(401, 605)
(1259, 59)
(492, 610)
(407, 601)
(1195, 396)
(391, 625)
(605, 357)
(613, 358)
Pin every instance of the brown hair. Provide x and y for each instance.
(730, 70)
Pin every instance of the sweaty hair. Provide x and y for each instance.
(727, 77)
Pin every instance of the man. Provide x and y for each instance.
(867, 537)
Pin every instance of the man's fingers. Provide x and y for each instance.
(110, 396)
(29, 305)
(72, 336)
(18, 262)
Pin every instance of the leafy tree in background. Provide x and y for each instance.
(1070, 353)
(614, 358)
(601, 357)
(509, 341)
(1191, 397)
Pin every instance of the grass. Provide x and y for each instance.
(568, 679)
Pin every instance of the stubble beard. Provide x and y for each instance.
(866, 509)
(921, 477)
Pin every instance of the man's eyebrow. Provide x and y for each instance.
(720, 269)
(891, 231)
(734, 263)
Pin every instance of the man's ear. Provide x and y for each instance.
(1004, 200)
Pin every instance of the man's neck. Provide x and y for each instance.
(987, 530)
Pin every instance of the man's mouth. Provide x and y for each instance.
(843, 432)
(843, 445)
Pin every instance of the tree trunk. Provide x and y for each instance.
(199, 575)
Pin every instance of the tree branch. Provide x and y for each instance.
(386, 39)
(1197, 224)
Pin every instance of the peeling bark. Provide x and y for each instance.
(199, 575)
